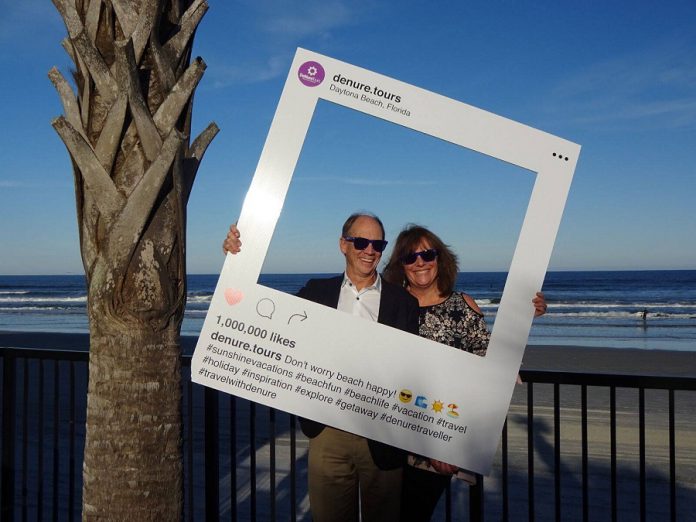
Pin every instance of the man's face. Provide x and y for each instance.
(362, 264)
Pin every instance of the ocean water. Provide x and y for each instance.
(590, 308)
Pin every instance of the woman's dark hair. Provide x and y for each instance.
(406, 243)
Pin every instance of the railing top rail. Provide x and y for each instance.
(44, 354)
(617, 380)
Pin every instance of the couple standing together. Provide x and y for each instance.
(350, 475)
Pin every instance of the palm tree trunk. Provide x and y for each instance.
(133, 467)
(127, 131)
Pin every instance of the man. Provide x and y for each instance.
(344, 467)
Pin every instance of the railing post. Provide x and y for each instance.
(7, 476)
(476, 500)
(530, 451)
(212, 466)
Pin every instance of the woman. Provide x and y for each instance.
(427, 268)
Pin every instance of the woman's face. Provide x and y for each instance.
(421, 274)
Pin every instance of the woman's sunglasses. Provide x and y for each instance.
(360, 243)
(425, 255)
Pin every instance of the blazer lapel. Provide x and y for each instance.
(386, 305)
(334, 292)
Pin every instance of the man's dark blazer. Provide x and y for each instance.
(397, 308)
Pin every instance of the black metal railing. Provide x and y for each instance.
(43, 420)
(640, 480)
(575, 446)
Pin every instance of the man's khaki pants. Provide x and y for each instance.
(341, 470)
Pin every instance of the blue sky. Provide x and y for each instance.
(618, 78)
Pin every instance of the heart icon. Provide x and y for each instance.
(233, 296)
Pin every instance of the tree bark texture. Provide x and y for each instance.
(126, 127)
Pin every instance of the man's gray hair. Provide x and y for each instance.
(353, 217)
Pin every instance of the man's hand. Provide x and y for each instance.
(540, 305)
(232, 243)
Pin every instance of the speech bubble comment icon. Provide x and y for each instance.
(265, 308)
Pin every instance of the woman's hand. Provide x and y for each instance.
(540, 305)
(443, 468)
(232, 243)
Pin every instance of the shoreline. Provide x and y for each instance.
(634, 361)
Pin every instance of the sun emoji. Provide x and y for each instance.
(437, 406)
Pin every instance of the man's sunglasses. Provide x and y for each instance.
(425, 255)
(360, 243)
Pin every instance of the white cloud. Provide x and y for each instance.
(248, 73)
(11, 184)
(654, 87)
(368, 182)
(277, 29)
(306, 19)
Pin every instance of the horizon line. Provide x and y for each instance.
(332, 273)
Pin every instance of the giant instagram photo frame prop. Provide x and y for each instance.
(360, 376)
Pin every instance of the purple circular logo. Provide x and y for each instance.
(311, 74)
